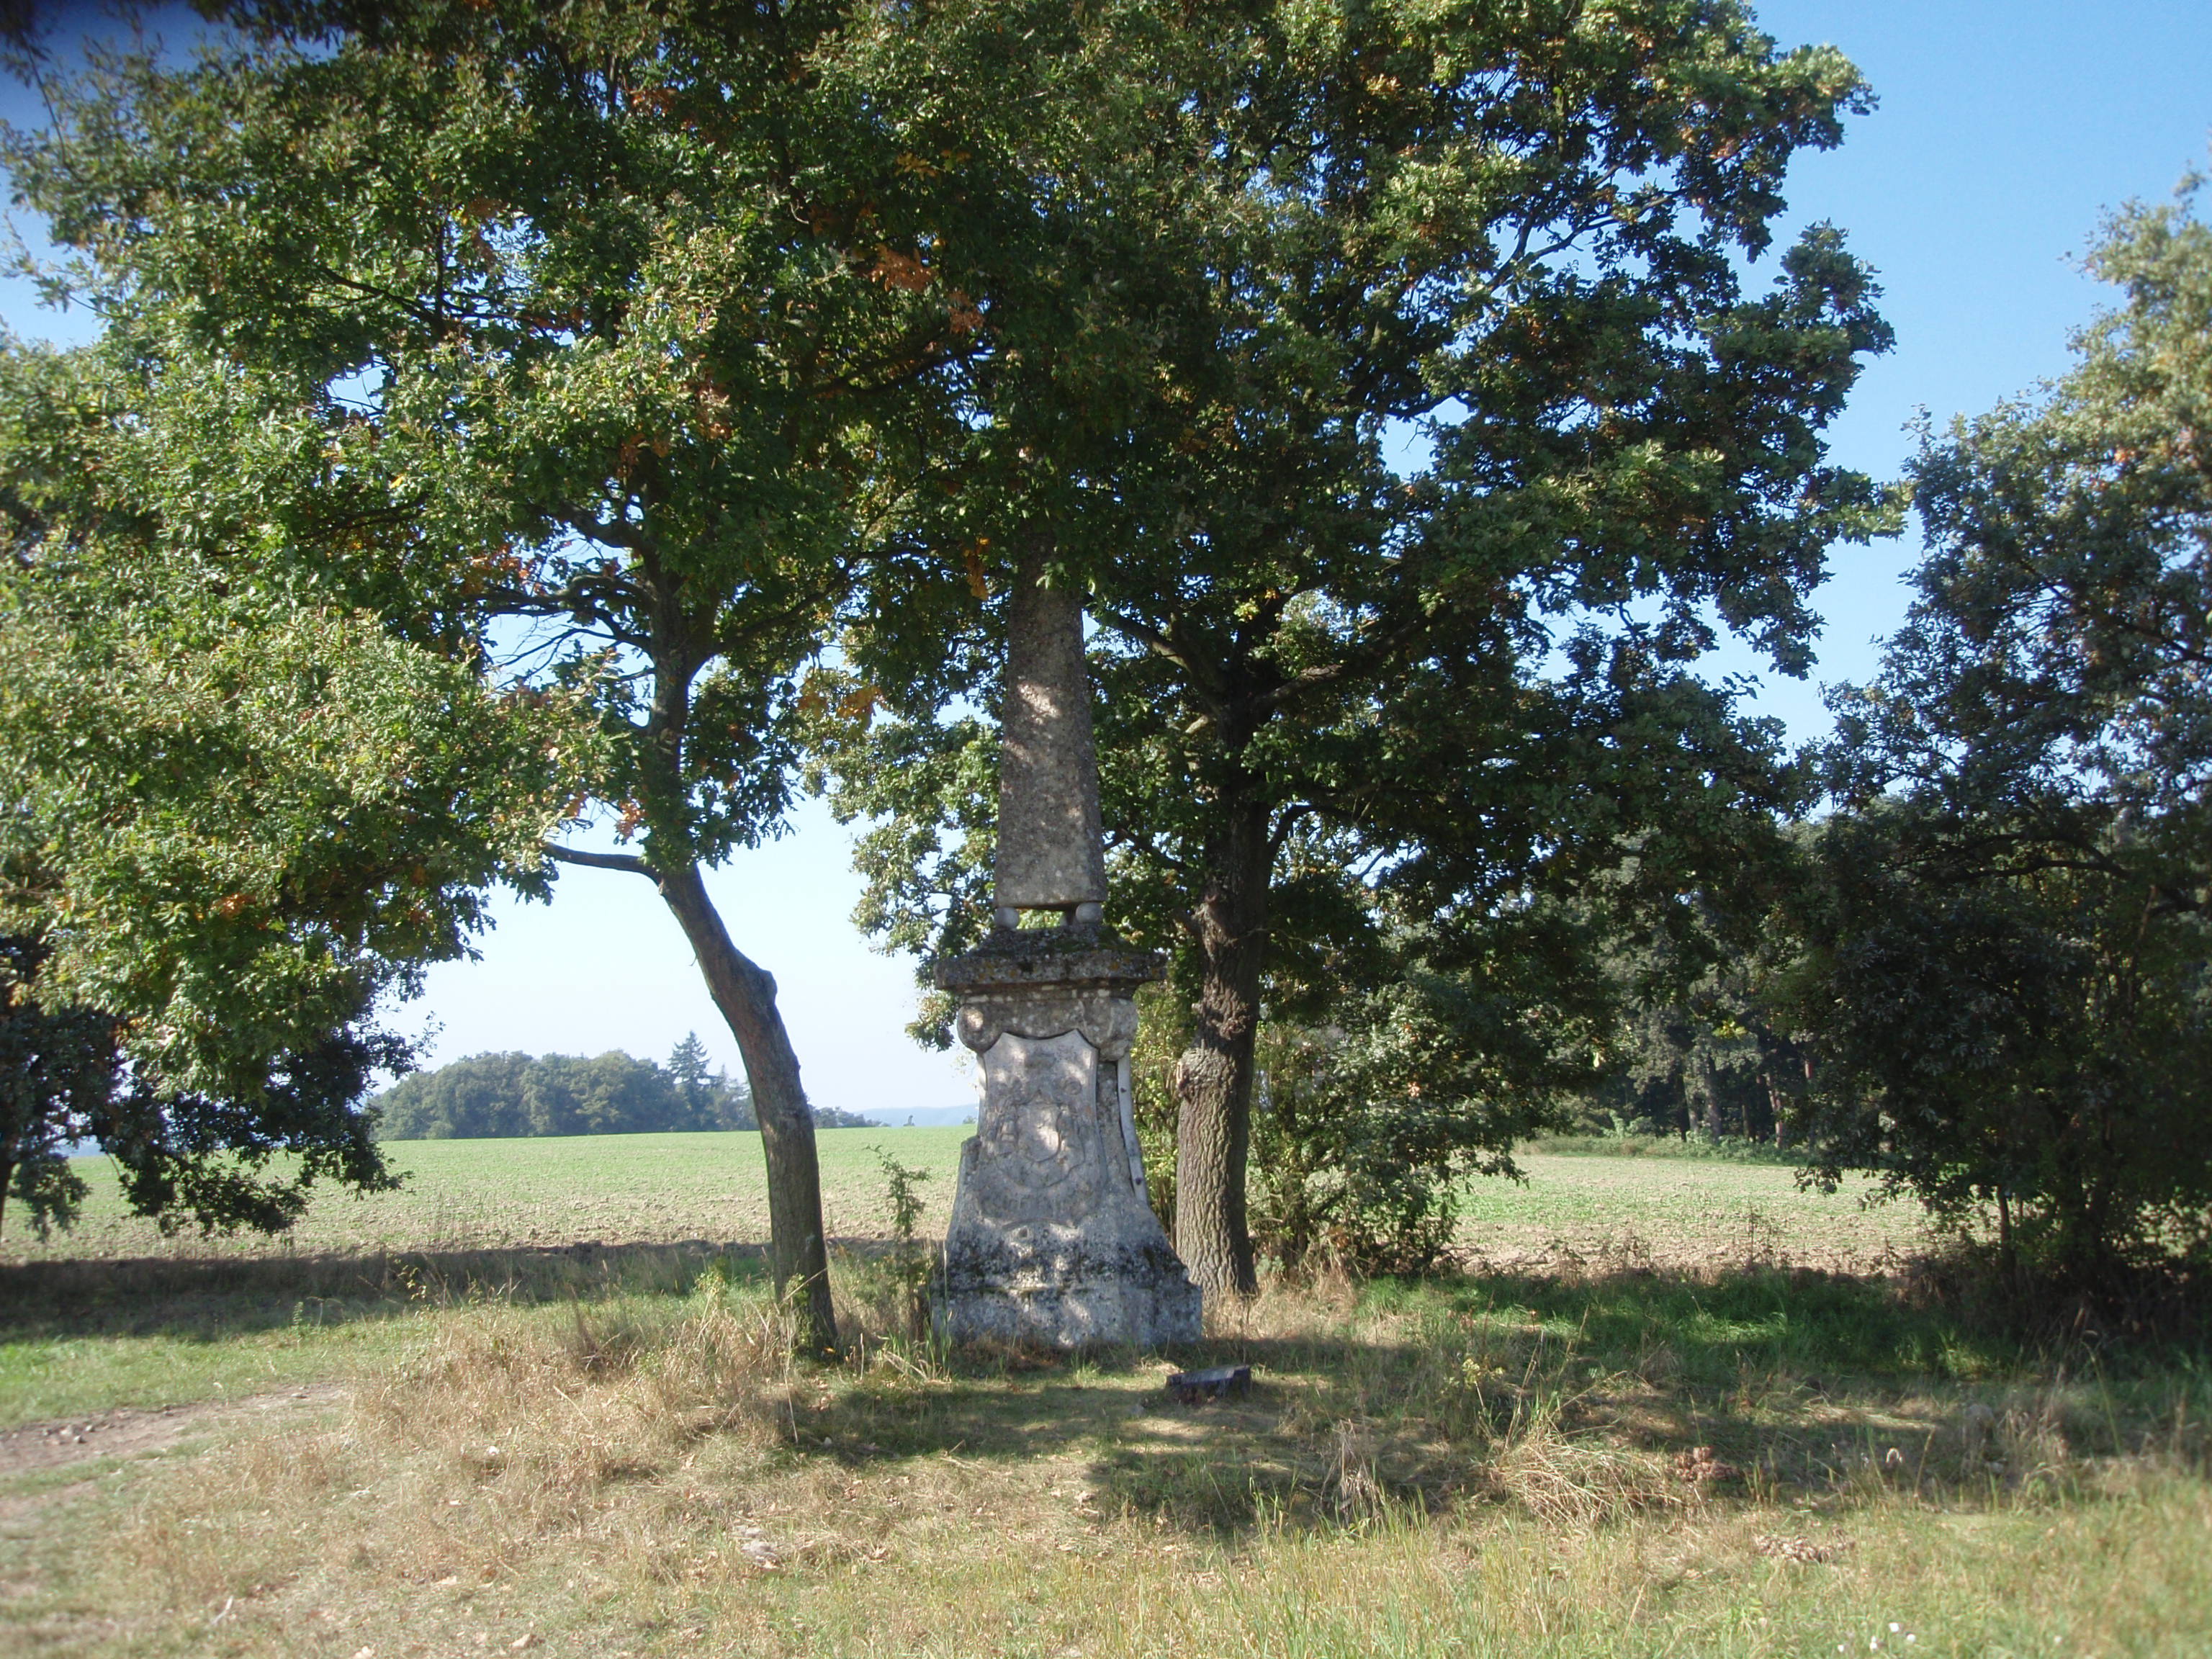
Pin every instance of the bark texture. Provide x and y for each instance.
(1212, 1079)
(744, 992)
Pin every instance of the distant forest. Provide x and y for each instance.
(492, 1096)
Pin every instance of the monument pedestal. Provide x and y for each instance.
(1052, 1238)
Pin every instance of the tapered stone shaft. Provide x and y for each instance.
(1050, 851)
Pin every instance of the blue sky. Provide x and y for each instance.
(2003, 132)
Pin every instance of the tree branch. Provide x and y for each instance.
(612, 532)
(629, 861)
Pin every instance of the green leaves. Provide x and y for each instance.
(647, 324)
(2061, 630)
(655, 350)
(2007, 941)
(240, 811)
(245, 828)
(1339, 707)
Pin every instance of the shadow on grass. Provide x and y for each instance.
(1578, 1400)
(210, 1299)
(1575, 1397)
(1822, 1324)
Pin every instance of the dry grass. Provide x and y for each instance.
(1467, 1467)
(1611, 1450)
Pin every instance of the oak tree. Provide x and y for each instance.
(1519, 241)
(644, 322)
(239, 815)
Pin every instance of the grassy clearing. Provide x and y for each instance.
(113, 1314)
(1477, 1466)
(1577, 1211)
(604, 1451)
(89, 1336)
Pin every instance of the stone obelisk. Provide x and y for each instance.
(1052, 1238)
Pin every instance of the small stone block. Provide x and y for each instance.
(1193, 1388)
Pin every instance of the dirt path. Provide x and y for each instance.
(130, 1432)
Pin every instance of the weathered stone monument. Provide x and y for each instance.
(1052, 1238)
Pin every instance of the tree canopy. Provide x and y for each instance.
(638, 322)
(239, 813)
(2005, 984)
(1343, 706)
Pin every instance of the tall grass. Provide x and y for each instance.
(1610, 1468)
(602, 1451)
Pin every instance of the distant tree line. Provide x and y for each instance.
(1699, 1053)
(488, 1096)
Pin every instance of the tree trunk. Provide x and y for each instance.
(746, 994)
(1709, 1090)
(1212, 1080)
(2008, 1263)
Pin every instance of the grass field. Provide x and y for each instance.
(492, 1195)
(462, 1195)
(1673, 1407)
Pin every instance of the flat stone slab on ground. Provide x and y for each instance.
(1194, 1387)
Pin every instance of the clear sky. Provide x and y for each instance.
(2003, 131)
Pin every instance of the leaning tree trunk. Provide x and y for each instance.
(1212, 1080)
(746, 994)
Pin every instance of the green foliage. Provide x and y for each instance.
(56, 1071)
(618, 342)
(911, 1265)
(241, 827)
(657, 345)
(1344, 1177)
(642, 321)
(1694, 1047)
(2030, 1043)
(687, 1071)
(2005, 978)
(239, 812)
(1365, 1129)
(1375, 657)
(1333, 701)
(1163, 1033)
(488, 1097)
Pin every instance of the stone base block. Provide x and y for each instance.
(1065, 1292)
(1052, 1240)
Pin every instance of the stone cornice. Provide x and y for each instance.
(1071, 958)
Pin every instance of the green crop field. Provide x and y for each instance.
(485, 1194)
(668, 1188)
(539, 1400)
